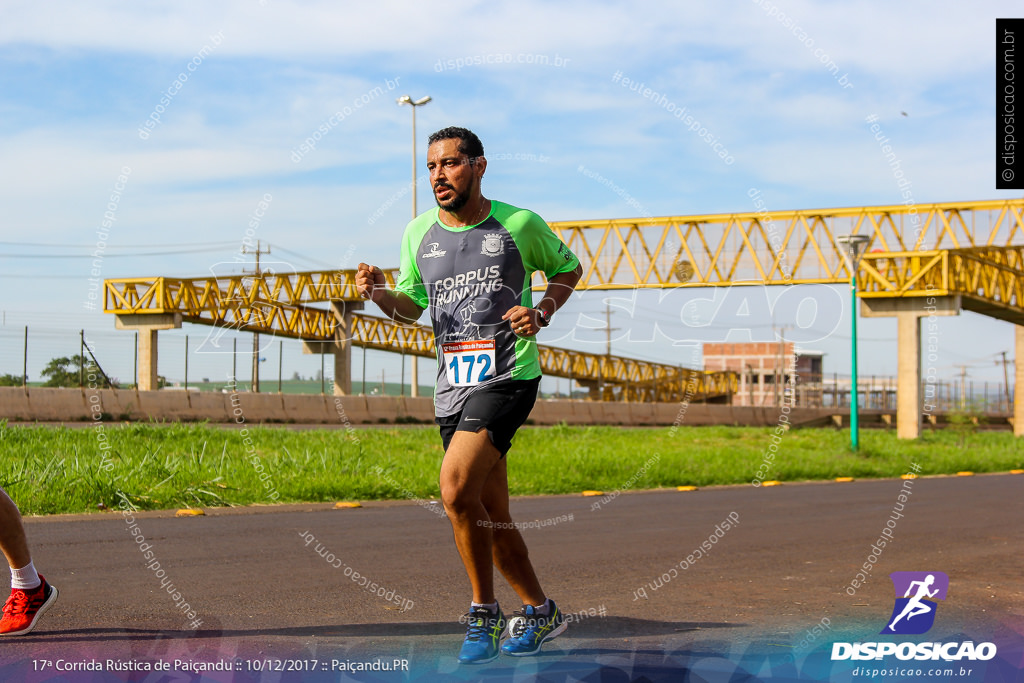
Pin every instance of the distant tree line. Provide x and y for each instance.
(71, 371)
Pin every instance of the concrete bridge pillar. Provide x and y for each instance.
(340, 346)
(1018, 381)
(908, 312)
(908, 373)
(147, 325)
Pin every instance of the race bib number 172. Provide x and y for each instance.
(468, 363)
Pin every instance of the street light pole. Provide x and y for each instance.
(854, 391)
(853, 249)
(405, 99)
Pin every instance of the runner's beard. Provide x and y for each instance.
(456, 203)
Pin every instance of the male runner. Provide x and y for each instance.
(470, 261)
(31, 595)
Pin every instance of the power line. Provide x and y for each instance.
(52, 245)
(330, 266)
(36, 276)
(106, 255)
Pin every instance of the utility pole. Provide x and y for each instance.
(780, 365)
(1006, 381)
(256, 335)
(963, 386)
(750, 384)
(780, 368)
(608, 328)
(608, 345)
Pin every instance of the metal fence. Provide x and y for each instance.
(957, 394)
(207, 358)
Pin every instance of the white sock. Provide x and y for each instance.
(492, 607)
(25, 578)
(545, 609)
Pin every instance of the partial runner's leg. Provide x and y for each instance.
(511, 556)
(12, 533)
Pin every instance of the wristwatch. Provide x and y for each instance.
(543, 317)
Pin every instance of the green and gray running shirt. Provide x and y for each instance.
(469, 277)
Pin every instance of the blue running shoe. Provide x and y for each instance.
(482, 636)
(528, 630)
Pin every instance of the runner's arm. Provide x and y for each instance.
(398, 306)
(526, 321)
(560, 288)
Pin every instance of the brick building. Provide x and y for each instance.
(766, 368)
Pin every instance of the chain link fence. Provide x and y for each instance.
(203, 359)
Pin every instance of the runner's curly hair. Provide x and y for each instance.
(469, 143)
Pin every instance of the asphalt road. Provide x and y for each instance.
(272, 608)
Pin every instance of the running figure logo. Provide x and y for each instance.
(914, 613)
(469, 329)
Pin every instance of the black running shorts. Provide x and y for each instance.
(501, 408)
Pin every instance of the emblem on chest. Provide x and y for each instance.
(493, 245)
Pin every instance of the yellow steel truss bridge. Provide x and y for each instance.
(959, 255)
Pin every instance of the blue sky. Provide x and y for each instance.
(536, 82)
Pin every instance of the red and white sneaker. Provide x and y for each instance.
(23, 609)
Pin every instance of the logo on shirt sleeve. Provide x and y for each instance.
(434, 251)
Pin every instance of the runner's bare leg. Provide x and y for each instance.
(12, 533)
(511, 556)
(467, 463)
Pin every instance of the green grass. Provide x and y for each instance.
(52, 470)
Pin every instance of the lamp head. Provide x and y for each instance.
(405, 99)
(852, 247)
